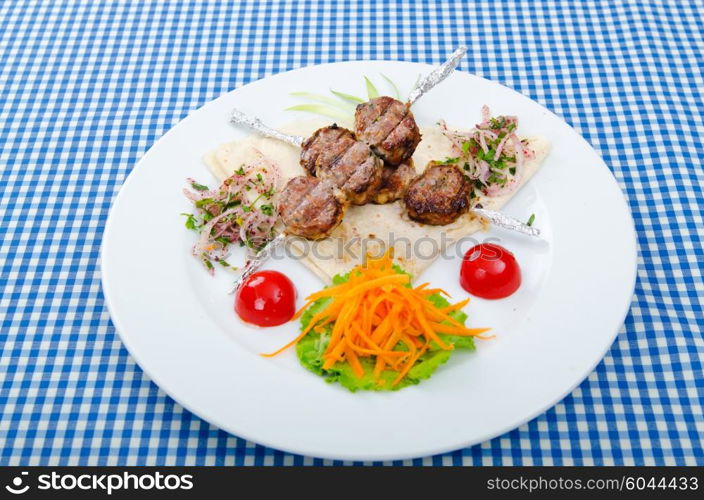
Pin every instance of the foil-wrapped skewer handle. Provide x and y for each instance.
(437, 75)
(506, 222)
(239, 118)
(255, 263)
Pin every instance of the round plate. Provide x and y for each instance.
(178, 322)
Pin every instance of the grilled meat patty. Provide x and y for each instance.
(394, 181)
(334, 154)
(325, 146)
(310, 207)
(438, 196)
(387, 125)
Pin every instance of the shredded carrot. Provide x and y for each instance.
(463, 332)
(376, 315)
(409, 364)
(455, 307)
(354, 362)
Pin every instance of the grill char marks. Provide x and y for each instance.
(357, 173)
(377, 118)
(334, 154)
(310, 208)
(388, 127)
(325, 146)
(368, 113)
(438, 196)
(394, 182)
(400, 144)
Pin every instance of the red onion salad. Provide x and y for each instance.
(242, 210)
(491, 154)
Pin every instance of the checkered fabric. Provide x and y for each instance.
(87, 87)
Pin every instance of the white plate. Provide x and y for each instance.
(178, 324)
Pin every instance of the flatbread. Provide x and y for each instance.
(369, 229)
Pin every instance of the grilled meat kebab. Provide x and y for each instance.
(387, 125)
(438, 196)
(333, 153)
(310, 207)
(394, 182)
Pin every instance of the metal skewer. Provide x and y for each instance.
(254, 263)
(436, 76)
(507, 222)
(239, 118)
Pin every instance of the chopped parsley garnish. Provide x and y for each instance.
(223, 212)
(449, 161)
(497, 179)
(500, 122)
(479, 153)
(204, 202)
(191, 221)
(207, 263)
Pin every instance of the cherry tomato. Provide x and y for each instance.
(266, 298)
(490, 271)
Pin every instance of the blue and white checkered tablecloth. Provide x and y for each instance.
(86, 87)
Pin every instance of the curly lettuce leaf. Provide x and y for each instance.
(310, 351)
